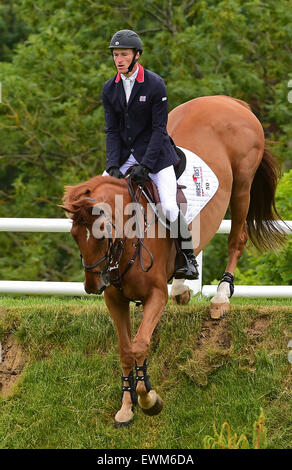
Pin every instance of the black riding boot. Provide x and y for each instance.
(186, 266)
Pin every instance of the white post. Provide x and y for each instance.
(35, 225)
(42, 287)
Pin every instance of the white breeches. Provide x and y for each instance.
(165, 181)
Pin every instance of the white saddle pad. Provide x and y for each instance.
(200, 181)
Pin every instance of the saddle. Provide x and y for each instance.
(151, 189)
(180, 166)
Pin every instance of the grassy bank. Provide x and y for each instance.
(68, 377)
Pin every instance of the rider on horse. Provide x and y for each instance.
(136, 113)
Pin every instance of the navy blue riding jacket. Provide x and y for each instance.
(139, 127)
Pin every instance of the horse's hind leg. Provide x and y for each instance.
(119, 310)
(239, 204)
(149, 401)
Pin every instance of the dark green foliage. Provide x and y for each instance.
(272, 268)
(12, 29)
(51, 116)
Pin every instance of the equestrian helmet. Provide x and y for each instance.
(126, 39)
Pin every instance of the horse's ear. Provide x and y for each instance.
(70, 209)
(84, 204)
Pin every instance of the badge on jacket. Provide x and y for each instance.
(142, 98)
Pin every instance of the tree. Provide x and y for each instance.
(12, 29)
(51, 116)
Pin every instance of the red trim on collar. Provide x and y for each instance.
(140, 75)
(139, 78)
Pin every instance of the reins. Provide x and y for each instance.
(115, 250)
(140, 243)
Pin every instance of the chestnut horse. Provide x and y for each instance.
(230, 139)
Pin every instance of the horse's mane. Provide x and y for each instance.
(77, 198)
(76, 192)
(81, 190)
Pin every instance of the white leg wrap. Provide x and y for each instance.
(222, 295)
(178, 287)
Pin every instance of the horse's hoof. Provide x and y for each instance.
(219, 310)
(181, 299)
(155, 409)
(123, 424)
(123, 418)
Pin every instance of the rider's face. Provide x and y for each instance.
(123, 58)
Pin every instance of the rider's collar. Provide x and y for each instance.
(139, 77)
(132, 77)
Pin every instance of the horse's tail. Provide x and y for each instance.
(262, 226)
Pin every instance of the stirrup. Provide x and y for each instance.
(144, 377)
(189, 269)
(130, 388)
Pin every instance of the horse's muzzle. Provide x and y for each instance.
(99, 291)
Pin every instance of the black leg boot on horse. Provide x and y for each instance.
(149, 401)
(131, 387)
(186, 266)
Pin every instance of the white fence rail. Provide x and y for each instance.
(77, 288)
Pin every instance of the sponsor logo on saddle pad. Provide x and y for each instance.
(202, 184)
(200, 181)
(197, 180)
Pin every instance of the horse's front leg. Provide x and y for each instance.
(180, 293)
(149, 401)
(119, 310)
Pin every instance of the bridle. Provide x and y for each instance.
(109, 254)
(111, 272)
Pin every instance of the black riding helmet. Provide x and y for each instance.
(127, 39)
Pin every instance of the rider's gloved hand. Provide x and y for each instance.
(139, 174)
(115, 172)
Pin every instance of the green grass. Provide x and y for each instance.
(21, 300)
(69, 390)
